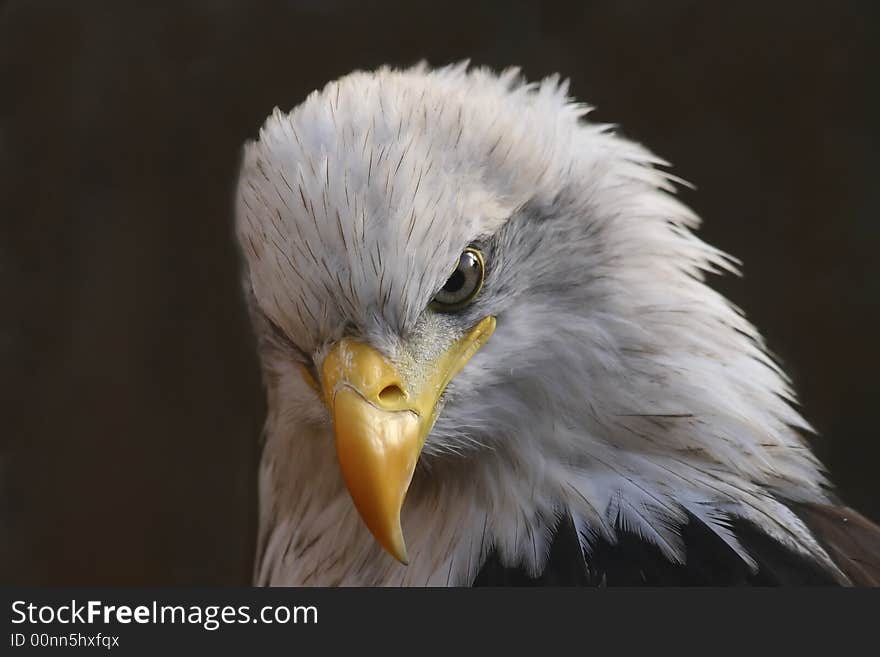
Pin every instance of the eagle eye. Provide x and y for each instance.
(463, 285)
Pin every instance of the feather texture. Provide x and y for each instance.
(619, 391)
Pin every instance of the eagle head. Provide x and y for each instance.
(479, 312)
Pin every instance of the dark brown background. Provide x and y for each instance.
(130, 395)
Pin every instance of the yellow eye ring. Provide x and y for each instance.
(464, 284)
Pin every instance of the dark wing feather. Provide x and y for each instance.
(851, 540)
(631, 561)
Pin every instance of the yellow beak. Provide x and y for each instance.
(381, 424)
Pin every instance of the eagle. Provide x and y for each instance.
(491, 356)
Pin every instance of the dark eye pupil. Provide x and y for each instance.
(455, 282)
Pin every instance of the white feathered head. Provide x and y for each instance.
(457, 279)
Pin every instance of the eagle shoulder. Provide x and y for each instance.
(852, 541)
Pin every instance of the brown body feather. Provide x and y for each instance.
(851, 540)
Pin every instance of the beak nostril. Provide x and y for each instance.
(391, 394)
